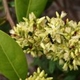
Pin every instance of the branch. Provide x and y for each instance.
(8, 16)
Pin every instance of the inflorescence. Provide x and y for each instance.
(54, 37)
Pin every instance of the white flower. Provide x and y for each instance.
(63, 14)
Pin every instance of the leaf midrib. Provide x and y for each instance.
(10, 62)
(28, 8)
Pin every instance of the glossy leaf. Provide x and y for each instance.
(25, 7)
(12, 59)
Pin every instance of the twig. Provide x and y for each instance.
(7, 12)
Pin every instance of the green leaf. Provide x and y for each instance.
(70, 77)
(25, 7)
(21, 8)
(51, 66)
(13, 63)
(42, 62)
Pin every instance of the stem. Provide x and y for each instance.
(7, 12)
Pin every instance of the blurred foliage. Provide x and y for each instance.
(4, 24)
(5, 27)
(53, 69)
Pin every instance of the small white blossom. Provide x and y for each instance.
(57, 39)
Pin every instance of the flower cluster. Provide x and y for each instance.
(39, 75)
(57, 39)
